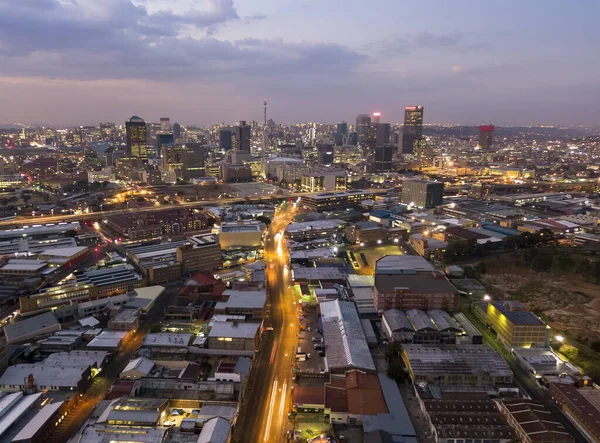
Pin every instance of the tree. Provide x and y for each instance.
(155, 328)
(396, 372)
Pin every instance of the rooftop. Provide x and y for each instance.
(518, 317)
(456, 359)
(170, 339)
(397, 264)
(44, 375)
(317, 274)
(101, 433)
(345, 341)
(539, 423)
(31, 327)
(315, 225)
(243, 299)
(234, 329)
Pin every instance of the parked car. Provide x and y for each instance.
(321, 353)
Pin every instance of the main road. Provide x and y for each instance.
(263, 412)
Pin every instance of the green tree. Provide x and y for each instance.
(396, 372)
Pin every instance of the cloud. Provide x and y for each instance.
(112, 39)
(409, 43)
(457, 69)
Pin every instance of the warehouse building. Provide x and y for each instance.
(411, 282)
(516, 326)
(234, 335)
(248, 303)
(31, 328)
(456, 365)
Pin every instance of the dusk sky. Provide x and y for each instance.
(70, 62)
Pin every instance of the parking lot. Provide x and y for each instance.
(309, 340)
(372, 254)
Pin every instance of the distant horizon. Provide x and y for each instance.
(75, 62)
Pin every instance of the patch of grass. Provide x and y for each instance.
(584, 357)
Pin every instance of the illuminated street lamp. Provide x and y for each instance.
(486, 297)
(559, 338)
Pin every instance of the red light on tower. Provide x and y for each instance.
(376, 117)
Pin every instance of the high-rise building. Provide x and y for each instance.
(163, 139)
(172, 157)
(383, 134)
(135, 135)
(413, 127)
(225, 139)
(383, 157)
(362, 122)
(376, 117)
(177, 133)
(165, 124)
(341, 132)
(325, 154)
(422, 193)
(193, 160)
(486, 136)
(352, 138)
(423, 152)
(241, 137)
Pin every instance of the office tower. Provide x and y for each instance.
(193, 160)
(382, 136)
(325, 154)
(341, 131)
(225, 139)
(423, 152)
(163, 139)
(376, 117)
(413, 127)
(177, 133)
(165, 124)
(362, 122)
(135, 136)
(422, 193)
(172, 156)
(352, 139)
(241, 137)
(383, 157)
(486, 136)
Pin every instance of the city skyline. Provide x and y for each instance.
(81, 62)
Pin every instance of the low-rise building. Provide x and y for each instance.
(248, 303)
(241, 234)
(346, 346)
(109, 341)
(410, 282)
(534, 422)
(111, 281)
(126, 320)
(516, 326)
(167, 342)
(335, 200)
(31, 328)
(234, 335)
(466, 416)
(365, 233)
(580, 406)
(311, 230)
(137, 368)
(456, 365)
(416, 326)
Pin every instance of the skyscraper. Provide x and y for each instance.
(352, 138)
(135, 137)
(383, 134)
(362, 122)
(325, 154)
(341, 131)
(241, 137)
(422, 193)
(193, 160)
(177, 131)
(376, 117)
(225, 141)
(163, 139)
(413, 127)
(486, 136)
(423, 152)
(383, 157)
(165, 124)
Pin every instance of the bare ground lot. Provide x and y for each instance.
(568, 303)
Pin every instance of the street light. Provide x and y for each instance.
(486, 297)
(559, 338)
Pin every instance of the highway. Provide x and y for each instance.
(263, 413)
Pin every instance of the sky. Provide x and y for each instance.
(72, 62)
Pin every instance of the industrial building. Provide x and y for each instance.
(345, 342)
(312, 230)
(422, 193)
(456, 365)
(580, 406)
(31, 328)
(425, 327)
(516, 326)
(410, 282)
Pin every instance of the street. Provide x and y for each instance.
(263, 415)
(102, 383)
